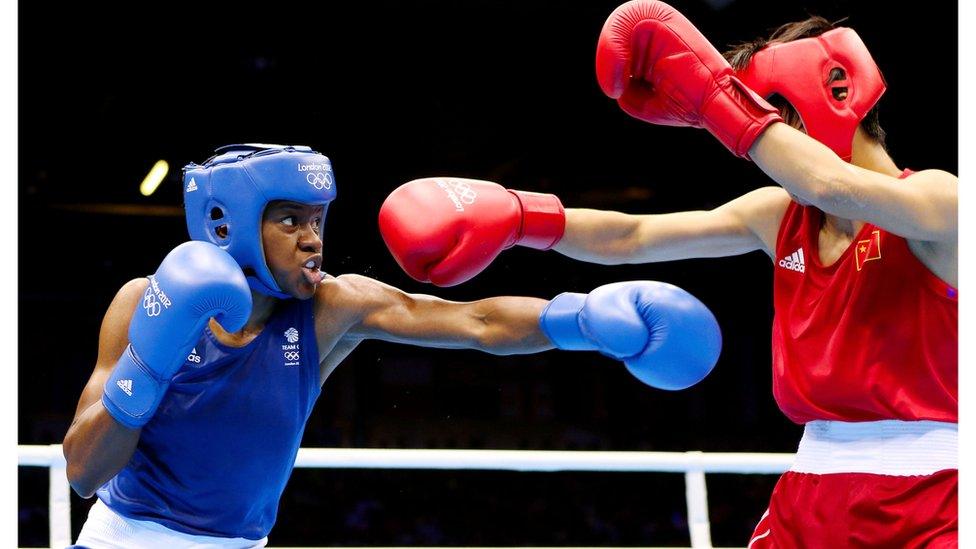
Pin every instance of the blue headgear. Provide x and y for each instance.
(232, 188)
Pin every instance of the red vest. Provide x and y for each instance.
(872, 336)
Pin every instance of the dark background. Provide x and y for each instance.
(393, 91)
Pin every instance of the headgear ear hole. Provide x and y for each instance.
(839, 93)
(221, 231)
(216, 213)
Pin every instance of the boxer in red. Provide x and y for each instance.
(864, 253)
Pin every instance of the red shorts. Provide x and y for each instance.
(860, 510)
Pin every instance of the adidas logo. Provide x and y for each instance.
(191, 186)
(125, 385)
(794, 261)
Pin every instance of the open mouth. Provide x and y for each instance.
(310, 270)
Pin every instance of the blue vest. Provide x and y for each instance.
(215, 458)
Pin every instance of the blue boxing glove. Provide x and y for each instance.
(664, 335)
(196, 281)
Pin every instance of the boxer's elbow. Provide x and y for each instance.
(80, 478)
(86, 473)
(84, 490)
(76, 469)
(830, 187)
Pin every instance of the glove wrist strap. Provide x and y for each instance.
(560, 322)
(543, 220)
(132, 393)
(738, 116)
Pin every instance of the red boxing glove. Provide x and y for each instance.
(447, 230)
(661, 69)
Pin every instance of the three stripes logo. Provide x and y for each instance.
(794, 261)
(125, 385)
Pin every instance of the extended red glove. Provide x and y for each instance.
(447, 230)
(661, 69)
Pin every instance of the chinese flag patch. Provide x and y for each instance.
(868, 250)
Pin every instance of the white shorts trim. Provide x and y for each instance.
(106, 529)
(887, 447)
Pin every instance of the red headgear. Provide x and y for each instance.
(799, 71)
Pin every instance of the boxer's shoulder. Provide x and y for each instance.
(932, 177)
(342, 301)
(762, 211)
(346, 290)
(113, 334)
(767, 198)
(136, 286)
(126, 298)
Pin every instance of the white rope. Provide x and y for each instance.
(40, 456)
(693, 464)
(547, 461)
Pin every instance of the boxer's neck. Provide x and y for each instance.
(262, 308)
(871, 155)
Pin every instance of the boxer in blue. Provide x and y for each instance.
(207, 371)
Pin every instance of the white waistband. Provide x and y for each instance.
(887, 447)
(107, 529)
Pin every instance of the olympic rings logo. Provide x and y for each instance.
(151, 304)
(464, 191)
(291, 356)
(319, 180)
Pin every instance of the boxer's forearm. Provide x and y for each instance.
(598, 236)
(806, 169)
(613, 238)
(510, 325)
(96, 448)
(498, 325)
(923, 206)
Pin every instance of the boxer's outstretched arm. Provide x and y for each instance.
(921, 207)
(618, 320)
(96, 446)
(745, 224)
(499, 325)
